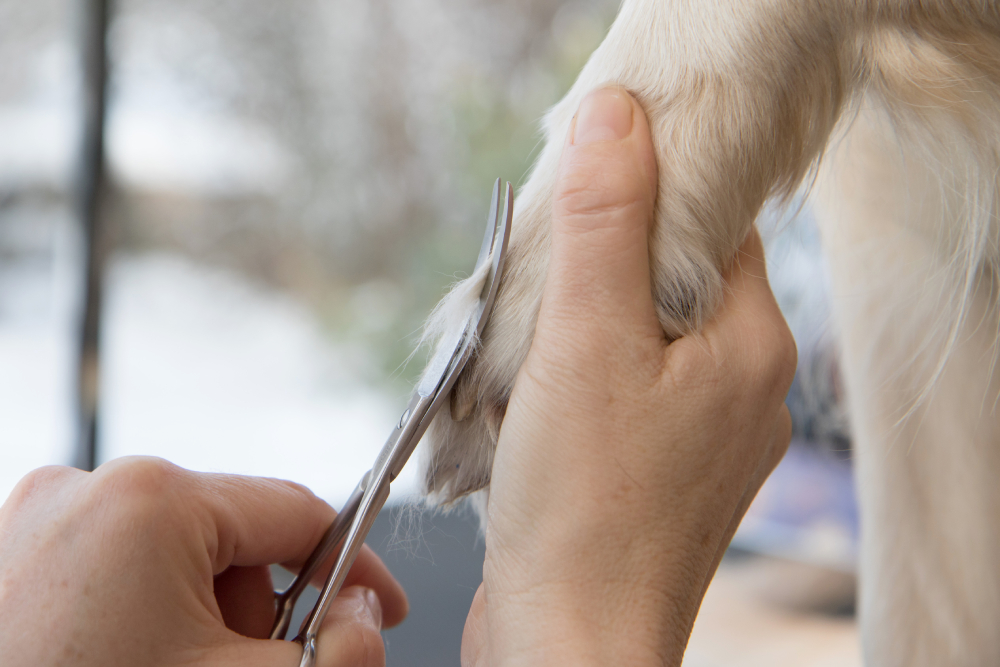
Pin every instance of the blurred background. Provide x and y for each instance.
(286, 190)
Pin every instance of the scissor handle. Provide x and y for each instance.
(395, 452)
(286, 599)
(371, 503)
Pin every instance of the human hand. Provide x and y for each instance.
(625, 462)
(144, 563)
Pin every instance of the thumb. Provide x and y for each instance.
(349, 637)
(602, 209)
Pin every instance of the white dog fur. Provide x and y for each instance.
(901, 100)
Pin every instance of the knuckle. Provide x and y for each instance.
(696, 364)
(298, 494)
(781, 358)
(770, 360)
(143, 482)
(587, 195)
(39, 482)
(304, 495)
(297, 489)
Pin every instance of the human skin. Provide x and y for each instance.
(625, 461)
(144, 563)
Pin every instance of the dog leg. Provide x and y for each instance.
(741, 97)
(927, 463)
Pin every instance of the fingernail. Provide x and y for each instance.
(374, 606)
(604, 115)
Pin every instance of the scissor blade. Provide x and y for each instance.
(442, 360)
(491, 226)
(469, 340)
(447, 348)
(489, 294)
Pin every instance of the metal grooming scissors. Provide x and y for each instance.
(358, 514)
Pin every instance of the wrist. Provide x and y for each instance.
(542, 613)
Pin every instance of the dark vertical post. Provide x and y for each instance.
(93, 42)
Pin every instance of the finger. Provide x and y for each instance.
(749, 334)
(349, 637)
(258, 521)
(475, 637)
(368, 570)
(749, 306)
(245, 596)
(602, 209)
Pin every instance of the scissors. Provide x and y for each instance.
(358, 514)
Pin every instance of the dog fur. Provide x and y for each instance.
(889, 111)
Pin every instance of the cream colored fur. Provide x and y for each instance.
(744, 97)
